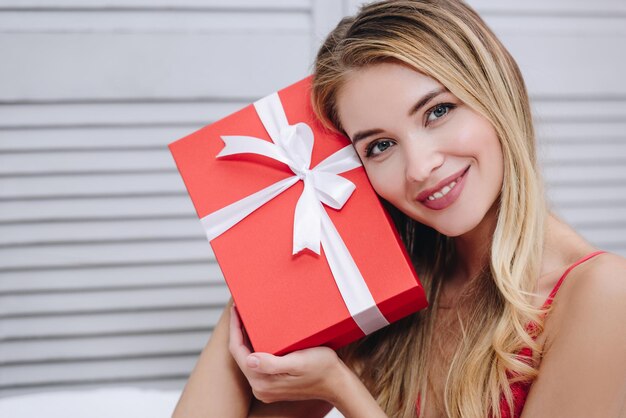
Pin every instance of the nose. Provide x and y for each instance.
(421, 160)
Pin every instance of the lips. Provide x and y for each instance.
(423, 196)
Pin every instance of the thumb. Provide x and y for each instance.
(267, 363)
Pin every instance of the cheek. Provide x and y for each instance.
(490, 154)
(492, 150)
(386, 180)
(474, 139)
(483, 142)
(474, 134)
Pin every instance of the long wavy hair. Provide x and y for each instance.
(448, 41)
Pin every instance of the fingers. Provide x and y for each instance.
(294, 364)
(267, 364)
(236, 343)
(259, 362)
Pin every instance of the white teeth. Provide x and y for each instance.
(444, 191)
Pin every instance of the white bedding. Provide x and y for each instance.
(119, 402)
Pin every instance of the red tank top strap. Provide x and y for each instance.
(570, 268)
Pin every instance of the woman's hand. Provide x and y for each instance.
(313, 373)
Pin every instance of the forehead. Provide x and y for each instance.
(371, 95)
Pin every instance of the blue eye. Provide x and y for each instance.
(378, 147)
(439, 111)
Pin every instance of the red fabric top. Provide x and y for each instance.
(520, 389)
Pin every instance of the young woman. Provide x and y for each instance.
(438, 112)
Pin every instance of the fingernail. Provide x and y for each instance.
(253, 362)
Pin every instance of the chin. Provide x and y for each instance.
(452, 233)
(457, 229)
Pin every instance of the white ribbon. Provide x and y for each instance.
(293, 145)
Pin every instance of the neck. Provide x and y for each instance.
(473, 247)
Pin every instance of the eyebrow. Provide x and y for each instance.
(416, 107)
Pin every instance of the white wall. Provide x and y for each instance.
(105, 274)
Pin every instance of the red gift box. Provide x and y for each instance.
(292, 301)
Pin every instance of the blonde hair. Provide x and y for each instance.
(448, 41)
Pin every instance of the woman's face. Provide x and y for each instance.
(424, 150)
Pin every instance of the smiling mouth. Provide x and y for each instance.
(443, 189)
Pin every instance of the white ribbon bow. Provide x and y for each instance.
(293, 145)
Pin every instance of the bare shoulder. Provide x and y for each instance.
(597, 281)
(591, 299)
(584, 360)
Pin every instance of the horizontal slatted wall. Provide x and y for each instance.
(105, 274)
